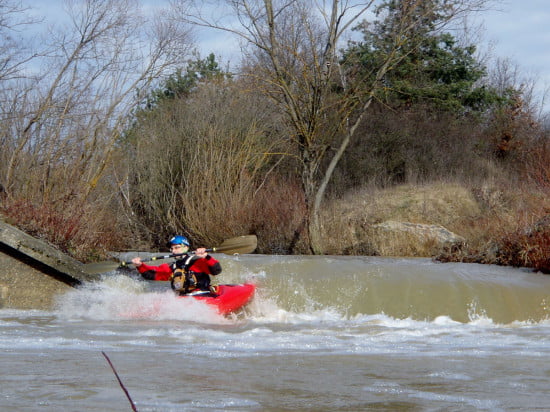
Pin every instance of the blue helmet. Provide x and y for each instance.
(179, 240)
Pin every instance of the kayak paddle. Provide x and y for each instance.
(233, 246)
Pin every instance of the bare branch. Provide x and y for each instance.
(98, 68)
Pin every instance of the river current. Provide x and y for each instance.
(322, 334)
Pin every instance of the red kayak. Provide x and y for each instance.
(228, 299)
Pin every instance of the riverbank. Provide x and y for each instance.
(486, 223)
(505, 224)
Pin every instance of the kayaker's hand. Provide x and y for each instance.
(201, 252)
(137, 261)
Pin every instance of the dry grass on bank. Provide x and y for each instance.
(496, 222)
(349, 221)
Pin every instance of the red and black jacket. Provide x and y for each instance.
(201, 268)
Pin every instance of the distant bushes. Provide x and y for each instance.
(529, 247)
(81, 232)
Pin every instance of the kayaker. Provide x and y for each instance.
(189, 273)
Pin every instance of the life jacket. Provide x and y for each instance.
(181, 280)
(184, 280)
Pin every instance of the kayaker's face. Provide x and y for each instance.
(175, 249)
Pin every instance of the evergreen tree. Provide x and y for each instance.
(182, 83)
(433, 68)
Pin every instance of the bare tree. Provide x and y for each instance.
(63, 112)
(65, 117)
(14, 52)
(295, 47)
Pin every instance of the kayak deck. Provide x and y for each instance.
(229, 298)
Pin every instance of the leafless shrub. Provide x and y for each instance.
(277, 215)
(199, 161)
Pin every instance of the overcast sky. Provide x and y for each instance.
(520, 30)
(514, 29)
